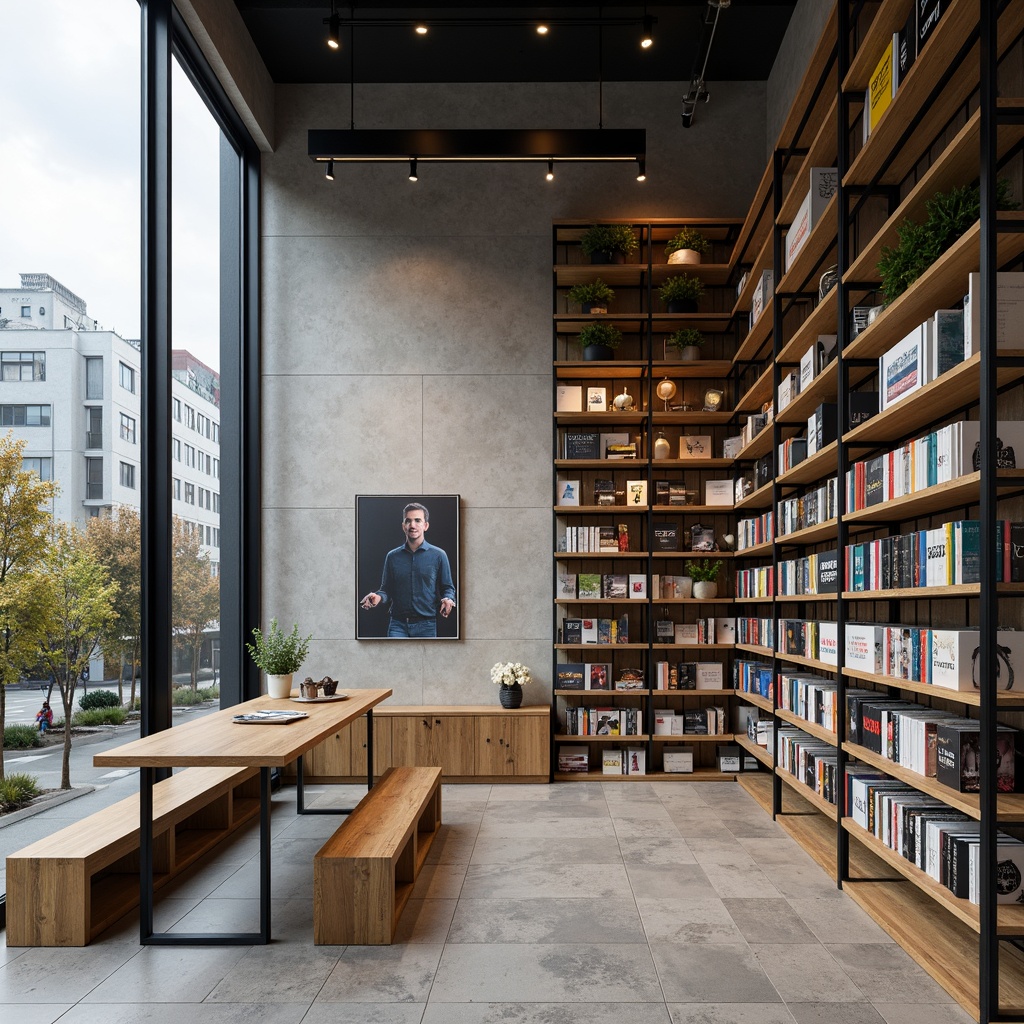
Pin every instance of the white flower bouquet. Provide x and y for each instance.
(508, 673)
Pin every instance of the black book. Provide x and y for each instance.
(569, 677)
(582, 444)
(572, 631)
(873, 474)
(861, 406)
(825, 422)
(686, 674)
(826, 575)
(666, 536)
(928, 14)
(871, 727)
(906, 54)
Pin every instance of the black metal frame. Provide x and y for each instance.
(300, 788)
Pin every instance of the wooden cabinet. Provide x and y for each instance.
(468, 743)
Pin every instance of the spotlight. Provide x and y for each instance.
(330, 170)
(334, 31)
(641, 169)
(550, 176)
(413, 176)
(542, 30)
(421, 30)
(647, 39)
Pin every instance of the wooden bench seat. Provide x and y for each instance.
(67, 888)
(363, 875)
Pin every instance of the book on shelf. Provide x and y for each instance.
(623, 535)
(568, 492)
(718, 492)
(904, 369)
(880, 89)
(1009, 311)
(695, 446)
(904, 48)
(569, 676)
(631, 679)
(664, 631)
(588, 585)
(661, 492)
(604, 492)
(666, 537)
(947, 337)
(710, 675)
(581, 444)
(611, 762)
(636, 493)
(638, 586)
(607, 538)
(614, 439)
(568, 398)
(731, 446)
(636, 761)
(686, 633)
(609, 722)
(928, 14)
(604, 631)
(573, 759)
(615, 586)
(958, 756)
(597, 399)
(588, 633)
(823, 183)
(702, 538)
(663, 718)
(572, 631)
(599, 675)
(678, 760)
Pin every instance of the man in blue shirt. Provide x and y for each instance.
(417, 580)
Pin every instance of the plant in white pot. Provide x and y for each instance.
(687, 247)
(280, 655)
(688, 341)
(704, 574)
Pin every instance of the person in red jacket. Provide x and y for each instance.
(44, 717)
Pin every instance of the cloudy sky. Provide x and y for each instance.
(70, 167)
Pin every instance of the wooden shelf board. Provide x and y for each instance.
(955, 389)
(939, 287)
(697, 554)
(745, 744)
(693, 647)
(763, 703)
(755, 550)
(689, 509)
(613, 510)
(811, 728)
(604, 418)
(693, 600)
(758, 649)
(567, 274)
(757, 337)
(762, 444)
(821, 389)
(755, 236)
(758, 393)
(696, 417)
(820, 153)
(915, 593)
(695, 464)
(799, 659)
(819, 803)
(599, 369)
(703, 368)
(815, 256)
(696, 737)
(562, 737)
(761, 498)
(966, 697)
(790, 598)
(1009, 918)
(709, 273)
(811, 534)
(603, 694)
(603, 647)
(1009, 806)
(609, 464)
(597, 600)
(887, 19)
(724, 691)
(821, 320)
(766, 599)
(938, 498)
(811, 469)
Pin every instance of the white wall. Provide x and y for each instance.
(407, 349)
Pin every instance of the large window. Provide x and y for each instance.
(127, 428)
(93, 479)
(42, 467)
(93, 377)
(24, 415)
(23, 366)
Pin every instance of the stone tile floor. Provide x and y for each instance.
(649, 903)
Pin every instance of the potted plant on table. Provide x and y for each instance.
(511, 677)
(593, 296)
(599, 340)
(688, 341)
(687, 247)
(704, 574)
(609, 243)
(279, 655)
(681, 294)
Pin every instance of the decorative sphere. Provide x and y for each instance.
(666, 390)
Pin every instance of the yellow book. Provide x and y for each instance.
(880, 88)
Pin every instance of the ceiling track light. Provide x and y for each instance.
(334, 30)
(421, 30)
(550, 176)
(413, 176)
(330, 170)
(641, 169)
(647, 39)
(542, 30)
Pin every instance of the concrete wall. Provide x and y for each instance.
(407, 349)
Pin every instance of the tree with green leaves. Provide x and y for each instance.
(116, 543)
(25, 516)
(78, 610)
(195, 593)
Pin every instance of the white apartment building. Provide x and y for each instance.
(72, 392)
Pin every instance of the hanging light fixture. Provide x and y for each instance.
(550, 176)
(641, 169)
(647, 39)
(413, 176)
(334, 29)
(330, 171)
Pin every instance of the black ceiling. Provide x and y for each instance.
(291, 37)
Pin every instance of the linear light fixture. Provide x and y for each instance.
(479, 145)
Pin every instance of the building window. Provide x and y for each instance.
(94, 426)
(24, 415)
(43, 468)
(93, 479)
(26, 311)
(216, 502)
(200, 422)
(208, 538)
(23, 365)
(216, 469)
(94, 377)
(216, 433)
(190, 493)
(176, 409)
(127, 377)
(190, 456)
(176, 488)
(127, 475)
(215, 567)
(216, 537)
(127, 428)
(190, 417)
(176, 449)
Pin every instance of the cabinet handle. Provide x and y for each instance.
(426, 722)
(437, 721)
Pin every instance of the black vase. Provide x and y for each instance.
(607, 257)
(510, 696)
(681, 305)
(595, 352)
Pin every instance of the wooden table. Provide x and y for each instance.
(217, 740)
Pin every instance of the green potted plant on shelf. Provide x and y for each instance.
(592, 296)
(280, 655)
(609, 243)
(687, 247)
(599, 340)
(704, 573)
(681, 294)
(687, 341)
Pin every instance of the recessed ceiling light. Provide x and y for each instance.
(421, 30)
(542, 30)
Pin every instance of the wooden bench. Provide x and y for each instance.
(363, 875)
(67, 888)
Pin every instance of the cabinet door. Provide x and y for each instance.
(496, 744)
(445, 741)
(332, 756)
(381, 745)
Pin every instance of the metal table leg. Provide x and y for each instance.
(300, 789)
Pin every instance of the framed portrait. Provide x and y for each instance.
(407, 567)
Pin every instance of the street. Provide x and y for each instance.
(24, 701)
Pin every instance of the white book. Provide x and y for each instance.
(636, 493)
(808, 367)
(718, 492)
(569, 398)
(568, 492)
(710, 675)
(597, 399)
(637, 586)
(1009, 313)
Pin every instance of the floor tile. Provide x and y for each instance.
(504, 972)
(276, 974)
(548, 850)
(923, 1013)
(365, 1013)
(425, 921)
(583, 919)
(886, 973)
(61, 975)
(768, 920)
(689, 921)
(198, 1013)
(382, 974)
(685, 881)
(830, 920)
(155, 974)
(835, 1013)
(498, 881)
(806, 973)
(639, 849)
(730, 1013)
(713, 973)
(543, 1013)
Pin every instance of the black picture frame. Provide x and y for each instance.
(379, 531)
